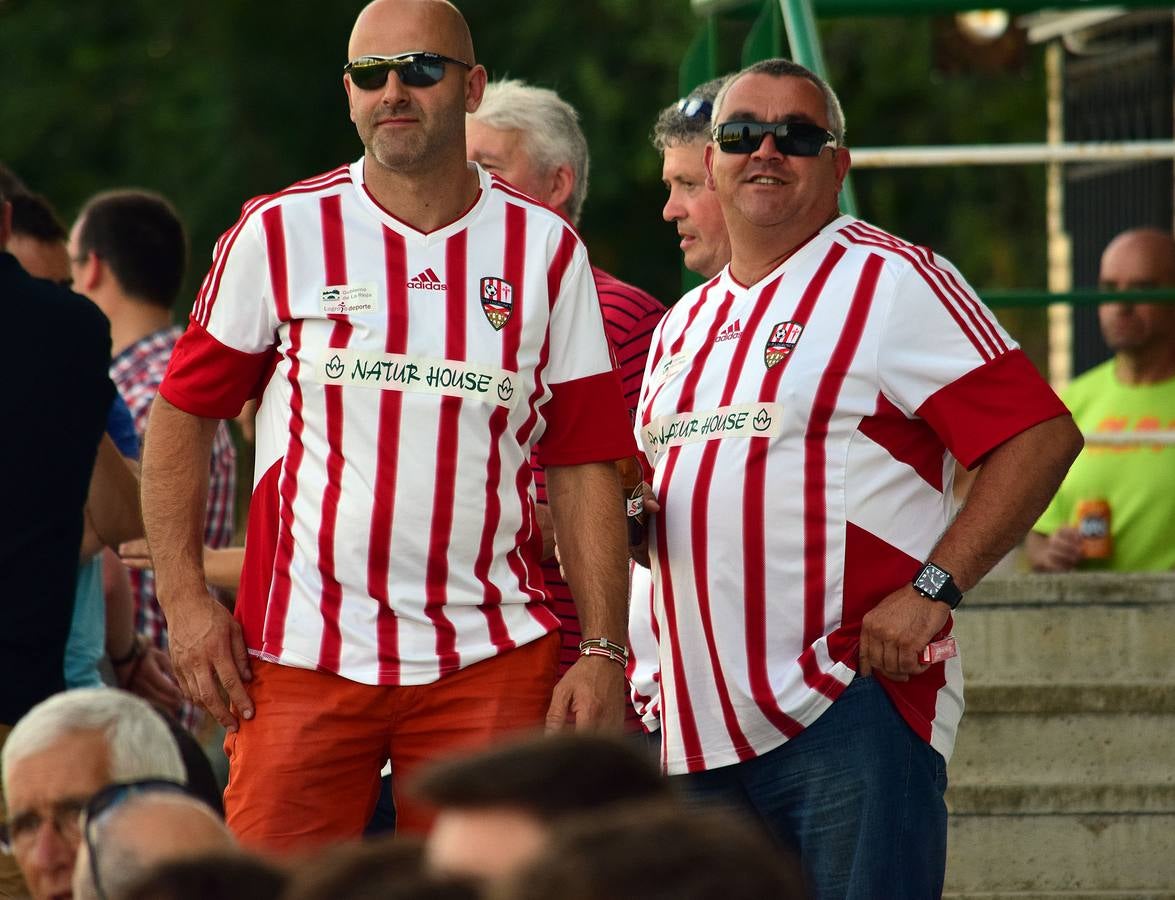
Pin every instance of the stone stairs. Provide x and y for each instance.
(1063, 778)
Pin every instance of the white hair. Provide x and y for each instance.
(550, 130)
(139, 741)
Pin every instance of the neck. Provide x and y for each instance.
(425, 200)
(756, 251)
(1148, 365)
(133, 321)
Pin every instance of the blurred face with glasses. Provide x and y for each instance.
(692, 206)
(775, 165)
(46, 793)
(410, 80)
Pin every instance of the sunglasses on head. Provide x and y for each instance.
(791, 138)
(417, 69)
(695, 107)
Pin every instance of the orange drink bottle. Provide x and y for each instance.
(1093, 523)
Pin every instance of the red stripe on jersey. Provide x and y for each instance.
(823, 408)
(279, 599)
(678, 343)
(754, 517)
(966, 298)
(699, 532)
(445, 479)
(334, 252)
(909, 441)
(210, 288)
(513, 271)
(658, 351)
(685, 403)
(965, 415)
(559, 264)
(257, 573)
(980, 345)
(387, 463)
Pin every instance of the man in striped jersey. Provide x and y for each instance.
(413, 327)
(803, 410)
(530, 136)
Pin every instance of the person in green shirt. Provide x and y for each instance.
(1133, 392)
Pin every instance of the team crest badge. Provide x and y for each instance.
(497, 301)
(782, 341)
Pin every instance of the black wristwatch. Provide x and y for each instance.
(938, 584)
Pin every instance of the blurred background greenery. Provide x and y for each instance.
(214, 102)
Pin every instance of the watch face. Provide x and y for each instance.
(931, 579)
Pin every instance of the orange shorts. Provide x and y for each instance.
(304, 771)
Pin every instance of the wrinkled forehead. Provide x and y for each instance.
(766, 98)
(389, 27)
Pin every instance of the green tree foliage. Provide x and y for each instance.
(214, 102)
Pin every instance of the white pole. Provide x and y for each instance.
(1009, 154)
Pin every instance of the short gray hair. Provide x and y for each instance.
(139, 741)
(785, 68)
(550, 130)
(676, 124)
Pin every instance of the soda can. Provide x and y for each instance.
(1093, 523)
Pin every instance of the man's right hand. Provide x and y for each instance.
(1056, 552)
(208, 653)
(640, 552)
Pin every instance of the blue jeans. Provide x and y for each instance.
(858, 796)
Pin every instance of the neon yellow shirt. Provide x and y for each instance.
(1138, 480)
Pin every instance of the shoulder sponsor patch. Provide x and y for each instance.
(667, 368)
(740, 420)
(349, 299)
(420, 375)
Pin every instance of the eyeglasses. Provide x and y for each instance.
(417, 69)
(791, 138)
(19, 831)
(107, 799)
(695, 107)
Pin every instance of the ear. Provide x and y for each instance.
(843, 162)
(475, 87)
(708, 159)
(5, 223)
(90, 274)
(560, 184)
(348, 87)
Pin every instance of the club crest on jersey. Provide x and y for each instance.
(497, 301)
(782, 341)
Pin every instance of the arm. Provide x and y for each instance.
(207, 647)
(589, 523)
(112, 506)
(1056, 552)
(222, 566)
(1015, 484)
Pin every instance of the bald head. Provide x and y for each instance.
(1139, 258)
(144, 831)
(388, 27)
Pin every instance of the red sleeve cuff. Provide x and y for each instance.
(976, 413)
(586, 422)
(208, 379)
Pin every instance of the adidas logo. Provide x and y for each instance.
(730, 332)
(427, 281)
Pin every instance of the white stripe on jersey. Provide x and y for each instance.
(761, 550)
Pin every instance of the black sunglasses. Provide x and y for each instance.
(695, 107)
(110, 797)
(791, 138)
(417, 69)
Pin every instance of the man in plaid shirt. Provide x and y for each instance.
(129, 252)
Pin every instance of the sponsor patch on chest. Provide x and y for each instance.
(740, 420)
(420, 375)
(348, 299)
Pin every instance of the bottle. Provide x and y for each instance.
(1093, 523)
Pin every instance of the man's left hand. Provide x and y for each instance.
(589, 696)
(895, 632)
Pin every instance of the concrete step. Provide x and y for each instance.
(1082, 734)
(1060, 628)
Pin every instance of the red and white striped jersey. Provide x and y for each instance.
(404, 379)
(803, 432)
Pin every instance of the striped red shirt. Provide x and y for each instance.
(404, 379)
(803, 432)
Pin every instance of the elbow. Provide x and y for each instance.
(1075, 441)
